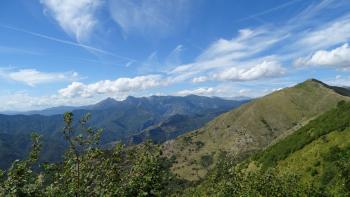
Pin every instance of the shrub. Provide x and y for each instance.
(206, 160)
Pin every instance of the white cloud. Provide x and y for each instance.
(115, 87)
(338, 57)
(224, 47)
(224, 54)
(200, 91)
(247, 43)
(76, 17)
(200, 79)
(34, 77)
(244, 92)
(231, 59)
(266, 69)
(225, 90)
(145, 16)
(23, 101)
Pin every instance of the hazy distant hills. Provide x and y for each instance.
(44, 112)
(252, 126)
(119, 119)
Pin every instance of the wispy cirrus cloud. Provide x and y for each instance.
(174, 57)
(246, 56)
(77, 18)
(67, 42)
(18, 50)
(33, 77)
(334, 32)
(148, 16)
(241, 46)
(236, 59)
(273, 9)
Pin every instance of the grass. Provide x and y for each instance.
(317, 161)
(336, 119)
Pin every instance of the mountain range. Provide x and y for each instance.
(131, 121)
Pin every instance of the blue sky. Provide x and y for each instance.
(63, 52)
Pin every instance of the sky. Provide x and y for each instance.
(64, 52)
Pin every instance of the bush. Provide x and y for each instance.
(328, 174)
(313, 172)
(206, 161)
(199, 144)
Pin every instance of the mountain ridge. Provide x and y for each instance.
(118, 119)
(108, 103)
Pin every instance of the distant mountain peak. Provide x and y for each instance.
(131, 98)
(108, 100)
(106, 103)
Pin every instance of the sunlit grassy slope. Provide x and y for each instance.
(316, 152)
(251, 127)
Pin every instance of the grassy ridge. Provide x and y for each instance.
(251, 127)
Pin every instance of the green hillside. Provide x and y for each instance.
(251, 127)
(317, 152)
(312, 161)
(321, 162)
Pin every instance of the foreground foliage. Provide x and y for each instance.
(88, 170)
(230, 179)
